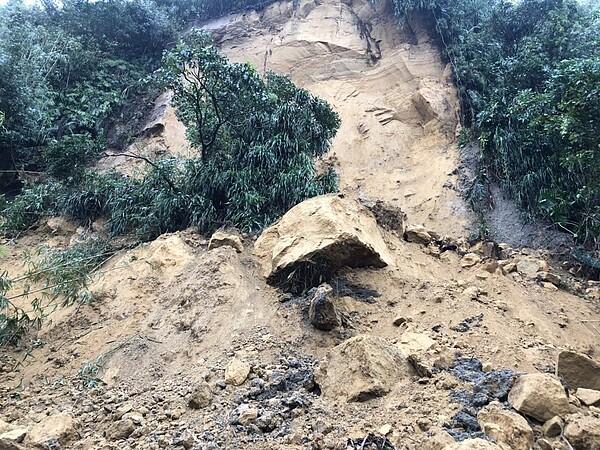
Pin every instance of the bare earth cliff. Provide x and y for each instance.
(416, 340)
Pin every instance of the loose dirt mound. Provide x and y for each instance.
(145, 365)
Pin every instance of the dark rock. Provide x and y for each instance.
(322, 312)
(201, 396)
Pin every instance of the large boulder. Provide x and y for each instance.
(362, 368)
(58, 427)
(505, 426)
(539, 395)
(317, 237)
(578, 371)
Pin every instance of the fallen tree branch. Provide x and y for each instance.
(146, 160)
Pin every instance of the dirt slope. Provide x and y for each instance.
(172, 315)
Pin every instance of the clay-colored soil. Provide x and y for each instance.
(171, 314)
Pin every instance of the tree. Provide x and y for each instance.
(257, 138)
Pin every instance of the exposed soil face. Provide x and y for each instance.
(150, 364)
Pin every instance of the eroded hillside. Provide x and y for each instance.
(187, 346)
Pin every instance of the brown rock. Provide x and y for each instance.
(362, 368)
(221, 238)
(201, 396)
(14, 435)
(589, 397)
(9, 444)
(59, 426)
(540, 396)
(246, 414)
(578, 370)
(417, 234)
(410, 342)
(553, 427)
(531, 267)
(490, 266)
(583, 432)
(469, 260)
(121, 429)
(237, 371)
(317, 237)
(322, 312)
(549, 277)
(505, 426)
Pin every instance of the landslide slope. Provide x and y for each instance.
(146, 365)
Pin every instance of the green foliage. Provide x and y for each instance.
(528, 75)
(54, 278)
(34, 202)
(257, 138)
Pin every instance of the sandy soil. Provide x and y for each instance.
(171, 314)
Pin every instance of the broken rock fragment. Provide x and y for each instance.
(505, 426)
(362, 368)
(222, 238)
(317, 237)
(589, 397)
(540, 396)
(417, 234)
(237, 371)
(578, 370)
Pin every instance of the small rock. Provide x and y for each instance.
(553, 427)
(531, 267)
(540, 396)
(469, 260)
(322, 312)
(384, 430)
(201, 396)
(589, 397)
(490, 266)
(423, 423)
(549, 286)
(410, 342)
(186, 439)
(237, 371)
(136, 418)
(505, 426)
(222, 238)
(246, 414)
(400, 320)
(549, 277)
(583, 432)
(578, 370)
(121, 429)
(470, 293)
(417, 234)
